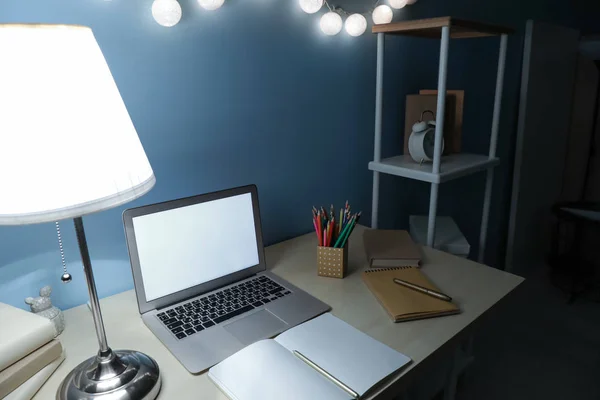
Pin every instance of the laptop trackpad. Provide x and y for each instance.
(260, 325)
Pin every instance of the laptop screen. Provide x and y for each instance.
(187, 246)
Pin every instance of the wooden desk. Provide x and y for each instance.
(475, 287)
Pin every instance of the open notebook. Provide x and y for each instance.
(269, 370)
(401, 303)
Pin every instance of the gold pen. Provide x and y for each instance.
(332, 378)
(432, 293)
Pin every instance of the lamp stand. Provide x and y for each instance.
(114, 375)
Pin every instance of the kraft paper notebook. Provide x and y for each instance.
(404, 304)
(270, 370)
(390, 248)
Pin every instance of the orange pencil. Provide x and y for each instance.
(325, 237)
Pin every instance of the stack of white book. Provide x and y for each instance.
(29, 354)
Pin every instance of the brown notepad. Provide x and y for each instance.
(404, 304)
(390, 248)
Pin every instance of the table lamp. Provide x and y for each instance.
(68, 148)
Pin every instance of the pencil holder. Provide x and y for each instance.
(332, 262)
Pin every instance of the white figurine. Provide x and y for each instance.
(43, 306)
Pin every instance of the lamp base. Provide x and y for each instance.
(118, 375)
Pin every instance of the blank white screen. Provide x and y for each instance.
(187, 246)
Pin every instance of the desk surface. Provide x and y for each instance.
(475, 287)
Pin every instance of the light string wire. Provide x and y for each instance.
(168, 13)
(340, 10)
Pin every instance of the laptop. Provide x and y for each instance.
(200, 277)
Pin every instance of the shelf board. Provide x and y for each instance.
(432, 28)
(453, 166)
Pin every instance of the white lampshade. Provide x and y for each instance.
(67, 144)
(356, 25)
(382, 14)
(331, 23)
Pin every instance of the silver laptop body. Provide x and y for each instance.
(200, 277)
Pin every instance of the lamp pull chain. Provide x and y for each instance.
(66, 277)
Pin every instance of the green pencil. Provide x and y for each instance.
(341, 237)
(351, 224)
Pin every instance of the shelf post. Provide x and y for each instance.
(378, 126)
(439, 132)
(487, 199)
(498, 97)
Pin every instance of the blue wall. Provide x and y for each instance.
(254, 93)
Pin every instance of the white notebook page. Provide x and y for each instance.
(356, 359)
(267, 371)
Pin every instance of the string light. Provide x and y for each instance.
(311, 6)
(331, 23)
(356, 25)
(382, 14)
(397, 4)
(211, 4)
(166, 12)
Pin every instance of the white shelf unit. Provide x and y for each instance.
(455, 165)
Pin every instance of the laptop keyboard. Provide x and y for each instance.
(197, 315)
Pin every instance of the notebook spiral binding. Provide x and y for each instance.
(386, 269)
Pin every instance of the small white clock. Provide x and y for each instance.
(421, 142)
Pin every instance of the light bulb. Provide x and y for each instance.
(331, 23)
(211, 4)
(382, 14)
(397, 4)
(166, 12)
(356, 25)
(311, 6)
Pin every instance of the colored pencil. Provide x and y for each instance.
(333, 230)
(354, 222)
(339, 239)
(347, 233)
(332, 233)
(319, 228)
